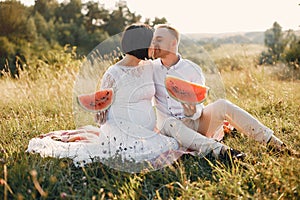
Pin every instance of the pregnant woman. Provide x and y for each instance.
(127, 140)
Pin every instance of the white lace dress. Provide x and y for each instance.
(127, 140)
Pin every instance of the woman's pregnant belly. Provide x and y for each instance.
(140, 113)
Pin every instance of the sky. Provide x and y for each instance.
(216, 16)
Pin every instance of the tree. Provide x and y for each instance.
(274, 41)
(292, 55)
(7, 49)
(13, 18)
(95, 17)
(17, 29)
(120, 18)
(46, 8)
(159, 21)
(30, 31)
(70, 12)
(292, 50)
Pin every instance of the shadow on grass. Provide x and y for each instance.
(60, 177)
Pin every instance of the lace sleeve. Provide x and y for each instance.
(108, 81)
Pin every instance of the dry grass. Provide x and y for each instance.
(41, 101)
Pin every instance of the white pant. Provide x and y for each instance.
(210, 125)
(212, 119)
(187, 137)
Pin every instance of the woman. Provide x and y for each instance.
(126, 141)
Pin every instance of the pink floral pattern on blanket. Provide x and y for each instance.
(80, 134)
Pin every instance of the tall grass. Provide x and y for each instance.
(40, 100)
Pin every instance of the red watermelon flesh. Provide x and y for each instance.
(97, 101)
(185, 91)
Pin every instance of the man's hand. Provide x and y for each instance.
(100, 117)
(189, 110)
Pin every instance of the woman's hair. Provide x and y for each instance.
(136, 40)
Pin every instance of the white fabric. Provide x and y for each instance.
(129, 130)
(184, 69)
(134, 89)
(131, 118)
(169, 111)
(211, 119)
(187, 137)
(214, 114)
(80, 152)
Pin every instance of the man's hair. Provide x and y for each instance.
(136, 40)
(171, 29)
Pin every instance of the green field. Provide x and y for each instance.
(40, 100)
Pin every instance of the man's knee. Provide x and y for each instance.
(222, 102)
(222, 105)
(192, 124)
(171, 126)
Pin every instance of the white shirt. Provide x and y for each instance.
(184, 69)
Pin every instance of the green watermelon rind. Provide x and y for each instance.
(180, 100)
(102, 109)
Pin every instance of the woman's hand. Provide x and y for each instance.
(100, 117)
(189, 110)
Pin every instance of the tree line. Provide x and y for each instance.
(27, 32)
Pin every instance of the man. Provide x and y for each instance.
(197, 127)
(172, 116)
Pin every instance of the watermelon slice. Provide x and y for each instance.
(97, 101)
(185, 91)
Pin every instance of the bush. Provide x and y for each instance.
(7, 50)
(292, 55)
(266, 58)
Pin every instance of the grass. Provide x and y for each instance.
(41, 101)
